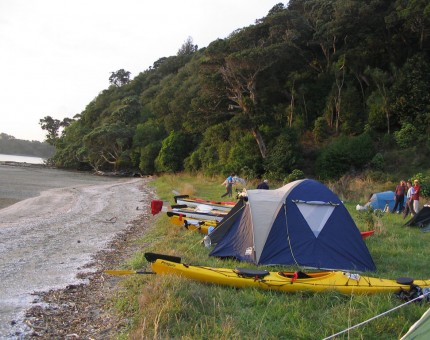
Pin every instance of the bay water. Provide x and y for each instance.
(21, 159)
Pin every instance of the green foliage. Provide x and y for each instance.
(321, 130)
(284, 155)
(148, 155)
(410, 96)
(424, 182)
(378, 162)
(244, 157)
(295, 175)
(237, 99)
(11, 145)
(343, 155)
(406, 136)
(108, 144)
(173, 150)
(120, 77)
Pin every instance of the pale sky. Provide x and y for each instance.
(56, 56)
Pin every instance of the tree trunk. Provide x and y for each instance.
(259, 139)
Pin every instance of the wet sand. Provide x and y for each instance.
(49, 237)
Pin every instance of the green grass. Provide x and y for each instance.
(171, 307)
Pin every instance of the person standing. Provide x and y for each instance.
(409, 203)
(228, 186)
(399, 197)
(416, 196)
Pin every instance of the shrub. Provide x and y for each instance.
(284, 154)
(343, 155)
(424, 182)
(295, 175)
(378, 162)
(406, 135)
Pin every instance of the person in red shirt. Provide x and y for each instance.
(416, 196)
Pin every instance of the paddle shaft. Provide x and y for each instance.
(118, 272)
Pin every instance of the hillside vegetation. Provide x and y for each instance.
(324, 87)
(9, 145)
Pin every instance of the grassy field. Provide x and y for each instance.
(162, 307)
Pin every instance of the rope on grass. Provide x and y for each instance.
(377, 316)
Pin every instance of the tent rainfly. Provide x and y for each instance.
(302, 223)
(380, 200)
(421, 219)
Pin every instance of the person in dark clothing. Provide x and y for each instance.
(399, 197)
(264, 185)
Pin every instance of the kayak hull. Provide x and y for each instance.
(192, 203)
(289, 282)
(189, 213)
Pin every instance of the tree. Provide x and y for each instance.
(240, 72)
(119, 78)
(415, 15)
(380, 99)
(187, 47)
(108, 144)
(173, 151)
(52, 126)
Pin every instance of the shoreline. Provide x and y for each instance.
(51, 240)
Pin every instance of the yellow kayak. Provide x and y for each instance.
(179, 220)
(289, 282)
(202, 226)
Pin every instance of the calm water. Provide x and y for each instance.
(21, 159)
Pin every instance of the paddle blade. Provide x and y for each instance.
(119, 272)
(179, 197)
(152, 257)
(179, 206)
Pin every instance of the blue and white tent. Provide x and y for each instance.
(303, 223)
(379, 200)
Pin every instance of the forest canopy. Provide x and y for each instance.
(323, 86)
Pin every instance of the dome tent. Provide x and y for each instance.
(379, 200)
(302, 223)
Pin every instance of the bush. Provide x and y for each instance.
(406, 135)
(378, 162)
(174, 150)
(343, 155)
(294, 176)
(284, 154)
(424, 182)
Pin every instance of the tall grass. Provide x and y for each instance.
(167, 307)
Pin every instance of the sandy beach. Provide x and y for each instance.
(50, 237)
